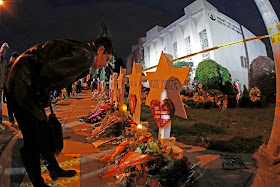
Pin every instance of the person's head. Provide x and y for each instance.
(104, 52)
(4, 48)
(14, 57)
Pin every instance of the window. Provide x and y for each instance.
(204, 44)
(175, 50)
(188, 48)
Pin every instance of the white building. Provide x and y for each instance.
(203, 27)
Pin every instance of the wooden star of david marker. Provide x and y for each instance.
(121, 87)
(135, 80)
(134, 88)
(114, 86)
(169, 79)
(110, 88)
(121, 80)
(166, 83)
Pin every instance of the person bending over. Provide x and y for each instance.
(38, 71)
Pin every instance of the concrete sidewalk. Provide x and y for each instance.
(77, 155)
(84, 157)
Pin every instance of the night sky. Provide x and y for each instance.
(25, 23)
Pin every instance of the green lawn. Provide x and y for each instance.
(233, 129)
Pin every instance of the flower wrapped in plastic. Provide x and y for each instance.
(131, 159)
(120, 148)
(111, 125)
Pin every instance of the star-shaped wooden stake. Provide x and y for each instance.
(111, 88)
(135, 80)
(134, 88)
(114, 86)
(121, 88)
(169, 79)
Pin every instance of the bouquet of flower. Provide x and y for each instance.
(255, 94)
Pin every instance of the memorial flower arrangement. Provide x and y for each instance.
(110, 125)
(94, 108)
(99, 95)
(198, 101)
(98, 113)
(255, 94)
(140, 160)
(221, 100)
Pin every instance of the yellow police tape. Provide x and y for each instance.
(277, 27)
(275, 38)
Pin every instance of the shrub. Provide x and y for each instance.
(246, 102)
(212, 75)
(181, 64)
(231, 101)
(262, 75)
(214, 92)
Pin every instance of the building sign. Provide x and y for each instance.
(225, 23)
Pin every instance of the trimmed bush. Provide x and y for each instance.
(212, 75)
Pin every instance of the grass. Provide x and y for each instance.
(232, 130)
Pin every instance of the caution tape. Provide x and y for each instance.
(277, 27)
(275, 38)
(276, 35)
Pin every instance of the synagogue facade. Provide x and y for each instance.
(203, 27)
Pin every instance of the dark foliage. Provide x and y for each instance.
(246, 102)
(118, 63)
(181, 64)
(262, 75)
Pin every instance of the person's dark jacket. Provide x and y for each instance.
(45, 67)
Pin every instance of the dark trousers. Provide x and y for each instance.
(10, 112)
(10, 109)
(36, 145)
